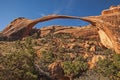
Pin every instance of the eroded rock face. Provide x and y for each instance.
(112, 30)
(105, 39)
(108, 27)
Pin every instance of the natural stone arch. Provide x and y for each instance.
(107, 29)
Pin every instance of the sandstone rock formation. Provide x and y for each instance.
(107, 24)
(108, 28)
(112, 9)
(22, 27)
(87, 32)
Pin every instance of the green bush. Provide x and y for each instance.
(75, 67)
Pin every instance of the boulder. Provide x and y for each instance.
(56, 70)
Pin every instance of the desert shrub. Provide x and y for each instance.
(35, 35)
(76, 49)
(46, 58)
(108, 52)
(48, 36)
(62, 49)
(18, 65)
(110, 67)
(44, 41)
(63, 35)
(76, 67)
(91, 75)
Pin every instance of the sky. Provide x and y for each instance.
(33, 9)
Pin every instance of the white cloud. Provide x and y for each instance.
(42, 14)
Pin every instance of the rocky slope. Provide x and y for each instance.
(64, 44)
